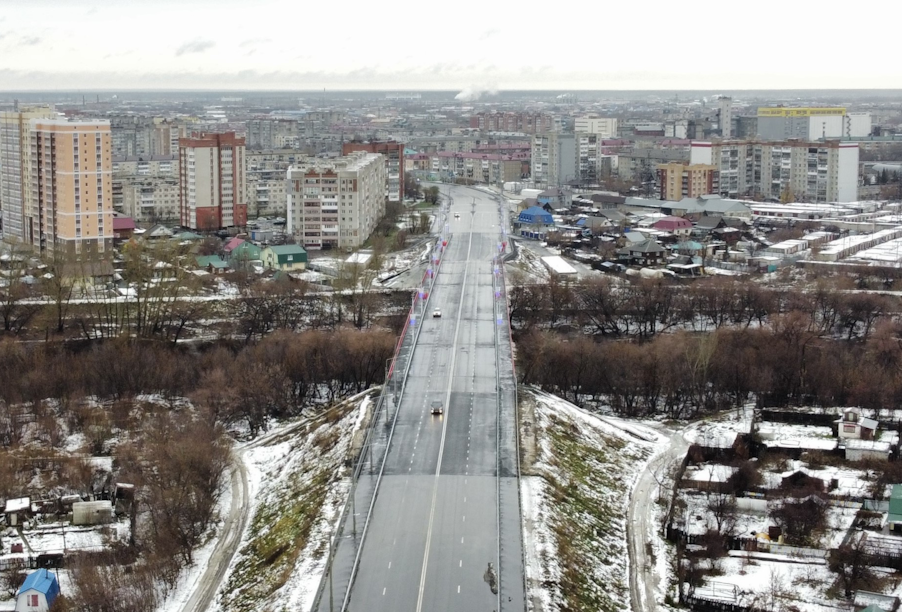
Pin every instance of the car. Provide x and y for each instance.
(457, 215)
(437, 313)
(437, 407)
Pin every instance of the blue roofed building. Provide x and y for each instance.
(38, 592)
(534, 222)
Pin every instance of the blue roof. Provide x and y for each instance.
(44, 582)
(536, 214)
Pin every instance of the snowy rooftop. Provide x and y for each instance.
(17, 505)
(787, 435)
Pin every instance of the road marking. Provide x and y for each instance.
(465, 518)
(458, 588)
(461, 564)
(389, 565)
(383, 591)
(465, 500)
(461, 540)
(441, 448)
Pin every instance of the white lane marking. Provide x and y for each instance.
(465, 500)
(383, 590)
(461, 564)
(458, 588)
(389, 565)
(441, 448)
(465, 518)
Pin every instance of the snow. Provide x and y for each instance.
(721, 433)
(788, 435)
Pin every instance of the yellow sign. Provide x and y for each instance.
(800, 112)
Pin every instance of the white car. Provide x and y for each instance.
(437, 313)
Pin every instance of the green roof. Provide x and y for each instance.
(895, 503)
(187, 236)
(216, 261)
(873, 608)
(246, 250)
(288, 249)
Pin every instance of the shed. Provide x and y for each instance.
(92, 513)
(211, 263)
(867, 601)
(894, 517)
(854, 425)
(38, 592)
(17, 510)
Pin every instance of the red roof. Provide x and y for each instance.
(123, 223)
(232, 244)
(669, 224)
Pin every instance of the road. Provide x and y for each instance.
(642, 525)
(437, 522)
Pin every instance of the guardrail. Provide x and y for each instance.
(420, 296)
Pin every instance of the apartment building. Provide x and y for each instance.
(486, 168)
(71, 172)
(266, 193)
(16, 195)
(677, 181)
(146, 188)
(825, 171)
(523, 122)
(811, 123)
(554, 159)
(725, 116)
(142, 136)
(212, 181)
(394, 164)
(604, 127)
(268, 134)
(336, 203)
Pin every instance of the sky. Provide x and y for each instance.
(467, 44)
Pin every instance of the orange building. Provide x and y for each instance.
(677, 181)
(71, 207)
(211, 181)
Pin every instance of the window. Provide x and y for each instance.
(33, 601)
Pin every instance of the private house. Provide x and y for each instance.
(535, 222)
(894, 515)
(158, 231)
(646, 253)
(677, 226)
(213, 264)
(553, 197)
(856, 427)
(38, 592)
(123, 228)
(287, 258)
(231, 245)
(241, 255)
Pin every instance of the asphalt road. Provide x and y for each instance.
(434, 527)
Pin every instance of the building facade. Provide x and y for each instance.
(554, 159)
(523, 122)
(604, 127)
(725, 116)
(16, 194)
(336, 203)
(677, 181)
(212, 181)
(394, 164)
(71, 170)
(783, 123)
(825, 171)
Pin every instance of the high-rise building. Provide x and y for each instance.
(336, 203)
(71, 171)
(825, 171)
(16, 194)
(725, 116)
(804, 123)
(394, 164)
(604, 127)
(523, 122)
(677, 181)
(211, 181)
(554, 159)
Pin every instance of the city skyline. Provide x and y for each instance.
(52, 45)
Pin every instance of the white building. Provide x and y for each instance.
(604, 127)
(336, 203)
(779, 123)
(212, 173)
(725, 116)
(789, 170)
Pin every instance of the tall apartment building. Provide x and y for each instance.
(143, 136)
(394, 164)
(71, 170)
(211, 181)
(147, 189)
(268, 133)
(525, 122)
(554, 159)
(783, 123)
(16, 195)
(725, 116)
(677, 181)
(824, 171)
(604, 127)
(336, 203)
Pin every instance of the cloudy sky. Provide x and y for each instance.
(352, 44)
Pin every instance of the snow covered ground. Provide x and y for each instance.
(575, 491)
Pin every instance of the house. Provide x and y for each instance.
(17, 510)
(860, 450)
(244, 253)
(123, 227)
(213, 264)
(554, 197)
(158, 231)
(231, 245)
(535, 222)
(675, 225)
(92, 513)
(647, 253)
(38, 592)
(853, 426)
(287, 257)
